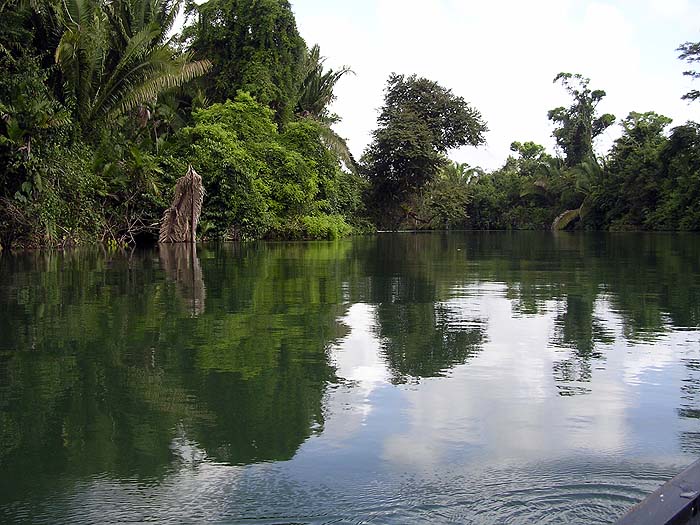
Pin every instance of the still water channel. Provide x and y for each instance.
(401, 378)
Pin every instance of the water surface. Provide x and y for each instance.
(401, 378)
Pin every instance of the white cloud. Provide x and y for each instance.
(500, 401)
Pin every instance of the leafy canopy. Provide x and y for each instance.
(419, 122)
(254, 46)
(578, 125)
(262, 182)
(690, 52)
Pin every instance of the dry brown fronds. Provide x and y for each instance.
(179, 223)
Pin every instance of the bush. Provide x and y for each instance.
(57, 202)
(325, 226)
(260, 182)
(314, 227)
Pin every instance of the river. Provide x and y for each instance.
(397, 378)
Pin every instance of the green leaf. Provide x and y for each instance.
(565, 219)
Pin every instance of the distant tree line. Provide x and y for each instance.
(103, 107)
(649, 180)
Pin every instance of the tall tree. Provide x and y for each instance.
(254, 46)
(634, 170)
(680, 175)
(578, 125)
(419, 122)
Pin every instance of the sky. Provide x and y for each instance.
(502, 55)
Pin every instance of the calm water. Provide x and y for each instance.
(413, 378)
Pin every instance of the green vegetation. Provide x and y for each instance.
(649, 180)
(102, 108)
(690, 52)
(419, 123)
(262, 182)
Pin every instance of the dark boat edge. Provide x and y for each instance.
(676, 502)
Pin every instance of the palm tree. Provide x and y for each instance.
(585, 175)
(316, 93)
(116, 55)
(459, 173)
(545, 182)
(317, 86)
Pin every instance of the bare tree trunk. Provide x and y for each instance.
(179, 223)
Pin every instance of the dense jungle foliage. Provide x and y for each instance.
(103, 105)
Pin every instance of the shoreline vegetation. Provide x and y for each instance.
(103, 107)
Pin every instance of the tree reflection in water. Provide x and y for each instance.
(108, 362)
(181, 264)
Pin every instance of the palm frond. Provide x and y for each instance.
(167, 17)
(565, 219)
(336, 144)
(114, 55)
(130, 62)
(149, 89)
(316, 92)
